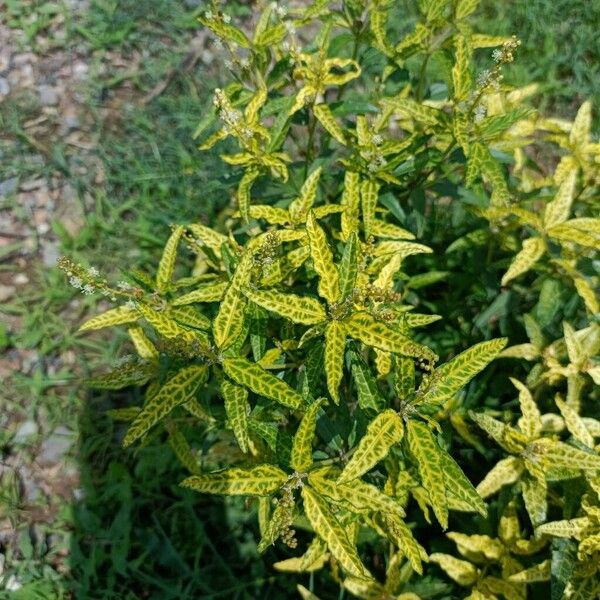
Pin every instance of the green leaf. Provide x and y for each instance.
(261, 480)
(385, 430)
(261, 382)
(178, 389)
(428, 455)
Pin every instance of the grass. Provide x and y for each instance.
(133, 533)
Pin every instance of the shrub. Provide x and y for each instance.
(380, 188)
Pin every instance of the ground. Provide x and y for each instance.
(98, 103)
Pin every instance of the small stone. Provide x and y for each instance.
(25, 430)
(21, 279)
(4, 87)
(56, 445)
(50, 253)
(8, 186)
(48, 95)
(6, 292)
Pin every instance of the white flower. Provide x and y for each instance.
(497, 55)
(244, 63)
(76, 282)
(93, 272)
(228, 64)
(226, 19)
(130, 304)
(483, 78)
(87, 289)
(479, 113)
(282, 11)
(208, 14)
(218, 44)
(124, 286)
(377, 139)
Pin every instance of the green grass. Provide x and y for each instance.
(134, 533)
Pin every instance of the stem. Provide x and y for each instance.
(312, 121)
(420, 92)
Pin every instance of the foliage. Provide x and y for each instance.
(294, 333)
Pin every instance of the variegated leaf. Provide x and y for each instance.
(211, 292)
(301, 458)
(369, 194)
(428, 455)
(363, 327)
(298, 309)
(252, 376)
(505, 472)
(164, 273)
(557, 211)
(385, 430)
(261, 480)
(335, 342)
(178, 389)
(351, 203)
(450, 377)
(327, 120)
(114, 316)
(237, 409)
(322, 256)
(533, 249)
(229, 322)
(300, 207)
(327, 526)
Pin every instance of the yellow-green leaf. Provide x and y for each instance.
(335, 342)
(425, 450)
(369, 194)
(557, 211)
(261, 480)
(182, 449)
(143, 346)
(237, 409)
(301, 458)
(211, 292)
(229, 322)
(327, 526)
(532, 251)
(362, 326)
(298, 309)
(322, 256)
(450, 377)
(178, 389)
(458, 485)
(164, 273)
(461, 76)
(300, 206)
(385, 430)
(114, 316)
(461, 571)
(531, 421)
(505, 472)
(350, 203)
(313, 559)
(261, 382)
(327, 120)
